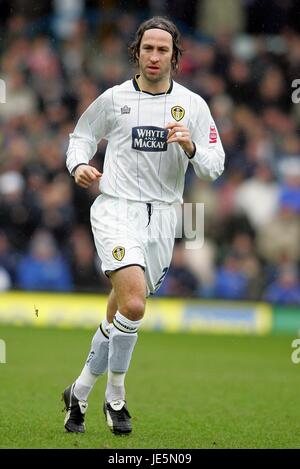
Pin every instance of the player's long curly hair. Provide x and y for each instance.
(157, 22)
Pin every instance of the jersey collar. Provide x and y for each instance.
(137, 88)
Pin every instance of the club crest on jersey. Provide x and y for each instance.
(118, 252)
(149, 138)
(177, 113)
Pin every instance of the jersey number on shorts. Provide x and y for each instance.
(160, 281)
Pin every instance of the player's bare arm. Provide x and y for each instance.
(85, 175)
(178, 133)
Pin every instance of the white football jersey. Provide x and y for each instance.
(139, 164)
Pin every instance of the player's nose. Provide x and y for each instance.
(154, 58)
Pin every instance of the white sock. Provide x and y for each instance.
(115, 388)
(84, 383)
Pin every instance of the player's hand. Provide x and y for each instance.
(180, 134)
(85, 175)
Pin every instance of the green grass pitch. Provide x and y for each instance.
(183, 390)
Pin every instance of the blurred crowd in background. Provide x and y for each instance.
(241, 56)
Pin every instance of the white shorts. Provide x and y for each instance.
(134, 233)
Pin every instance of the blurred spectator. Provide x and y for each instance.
(45, 70)
(57, 57)
(280, 236)
(203, 192)
(43, 268)
(257, 197)
(66, 15)
(201, 262)
(286, 288)
(86, 273)
(212, 17)
(227, 194)
(57, 211)
(290, 192)
(263, 19)
(74, 51)
(272, 90)
(5, 281)
(230, 281)
(8, 259)
(20, 99)
(180, 281)
(17, 217)
(240, 83)
(109, 63)
(288, 163)
(243, 248)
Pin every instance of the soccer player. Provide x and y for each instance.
(154, 127)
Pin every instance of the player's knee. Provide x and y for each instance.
(133, 309)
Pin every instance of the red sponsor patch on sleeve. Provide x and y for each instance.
(213, 134)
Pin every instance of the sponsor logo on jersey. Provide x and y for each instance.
(177, 113)
(213, 134)
(118, 252)
(125, 110)
(149, 138)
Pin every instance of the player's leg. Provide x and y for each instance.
(130, 289)
(112, 306)
(76, 395)
(116, 227)
(97, 360)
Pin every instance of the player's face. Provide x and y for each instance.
(156, 51)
